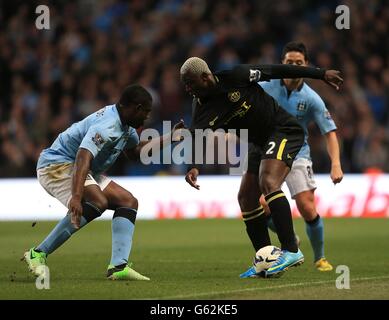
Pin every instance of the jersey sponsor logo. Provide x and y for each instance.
(245, 106)
(98, 140)
(100, 113)
(212, 122)
(234, 96)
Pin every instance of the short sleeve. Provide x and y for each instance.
(94, 140)
(321, 115)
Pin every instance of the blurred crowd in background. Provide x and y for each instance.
(94, 49)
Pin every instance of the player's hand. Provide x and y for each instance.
(191, 178)
(75, 209)
(332, 77)
(264, 204)
(179, 125)
(336, 174)
(176, 136)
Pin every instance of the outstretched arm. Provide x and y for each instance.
(255, 73)
(160, 141)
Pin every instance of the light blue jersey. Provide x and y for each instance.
(102, 133)
(304, 104)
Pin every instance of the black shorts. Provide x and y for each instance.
(283, 145)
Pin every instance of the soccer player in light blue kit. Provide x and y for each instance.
(72, 170)
(296, 97)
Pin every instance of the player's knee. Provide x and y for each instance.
(129, 201)
(307, 210)
(101, 203)
(133, 202)
(268, 184)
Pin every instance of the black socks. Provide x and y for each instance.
(282, 218)
(256, 227)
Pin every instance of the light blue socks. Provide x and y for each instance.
(64, 229)
(123, 226)
(315, 232)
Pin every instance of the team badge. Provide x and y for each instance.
(234, 96)
(327, 115)
(98, 140)
(301, 106)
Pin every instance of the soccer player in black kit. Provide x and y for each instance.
(232, 99)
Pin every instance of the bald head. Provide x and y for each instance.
(195, 66)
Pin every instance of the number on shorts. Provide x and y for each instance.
(272, 144)
(309, 171)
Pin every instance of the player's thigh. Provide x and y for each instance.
(93, 191)
(249, 191)
(253, 159)
(94, 195)
(272, 174)
(119, 197)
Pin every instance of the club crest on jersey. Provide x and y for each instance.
(327, 115)
(98, 140)
(234, 96)
(301, 106)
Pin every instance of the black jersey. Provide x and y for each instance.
(238, 102)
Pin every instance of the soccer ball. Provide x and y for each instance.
(265, 257)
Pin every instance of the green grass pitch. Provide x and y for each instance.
(195, 259)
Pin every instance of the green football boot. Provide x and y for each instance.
(36, 261)
(126, 273)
